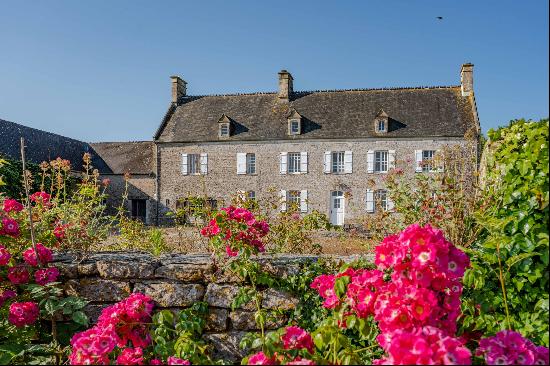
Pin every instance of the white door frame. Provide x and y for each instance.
(337, 215)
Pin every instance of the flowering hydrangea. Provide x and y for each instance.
(23, 313)
(46, 275)
(5, 256)
(44, 254)
(237, 228)
(11, 205)
(510, 348)
(10, 227)
(297, 338)
(117, 325)
(18, 275)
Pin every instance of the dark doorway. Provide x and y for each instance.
(139, 209)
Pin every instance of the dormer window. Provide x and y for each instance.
(381, 122)
(294, 123)
(294, 127)
(224, 130)
(224, 127)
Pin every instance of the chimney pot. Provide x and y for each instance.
(179, 88)
(285, 86)
(467, 79)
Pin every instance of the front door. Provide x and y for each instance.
(337, 208)
(139, 209)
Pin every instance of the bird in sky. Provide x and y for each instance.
(439, 18)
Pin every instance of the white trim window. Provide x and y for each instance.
(381, 126)
(294, 162)
(250, 195)
(194, 164)
(250, 163)
(381, 160)
(425, 161)
(294, 159)
(294, 199)
(378, 199)
(294, 128)
(338, 165)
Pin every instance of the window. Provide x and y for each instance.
(381, 198)
(381, 125)
(294, 127)
(250, 163)
(380, 161)
(193, 164)
(337, 162)
(250, 195)
(293, 198)
(139, 208)
(427, 158)
(224, 130)
(293, 162)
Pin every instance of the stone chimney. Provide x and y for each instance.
(467, 79)
(285, 86)
(179, 88)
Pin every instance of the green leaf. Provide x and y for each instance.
(80, 318)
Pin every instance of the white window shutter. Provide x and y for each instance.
(184, 164)
(303, 162)
(418, 159)
(391, 159)
(327, 162)
(370, 200)
(303, 201)
(370, 161)
(241, 163)
(204, 163)
(283, 200)
(391, 205)
(284, 162)
(441, 161)
(348, 162)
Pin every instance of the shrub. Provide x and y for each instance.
(507, 287)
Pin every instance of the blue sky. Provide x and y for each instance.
(99, 70)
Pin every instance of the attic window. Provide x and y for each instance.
(381, 122)
(224, 129)
(294, 127)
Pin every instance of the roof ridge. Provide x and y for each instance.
(120, 142)
(325, 91)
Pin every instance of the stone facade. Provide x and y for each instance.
(177, 281)
(222, 181)
(140, 186)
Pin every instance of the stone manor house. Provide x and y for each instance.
(325, 150)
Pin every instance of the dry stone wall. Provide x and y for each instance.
(176, 281)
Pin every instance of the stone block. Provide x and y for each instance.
(168, 294)
(222, 296)
(87, 269)
(276, 299)
(184, 272)
(226, 346)
(125, 269)
(216, 320)
(244, 320)
(98, 290)
(67, 271)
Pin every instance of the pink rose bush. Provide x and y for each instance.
(294, 346)
(510, 348)
(236, 229)
(23, 313)
(419, 299)
(122, 334)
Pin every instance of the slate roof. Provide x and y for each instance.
(135, 157)
(413, 112)
(108, 158)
